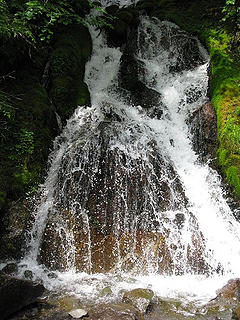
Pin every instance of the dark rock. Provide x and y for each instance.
(203, 127)
(16, 223)
(124, 22)
(52, 275)
(179, 219)
(10, 269)
(72, 49)
(57, 315)
(16, 293)
(131, 73)
(112, 10)
(120, 311)
(28, 274)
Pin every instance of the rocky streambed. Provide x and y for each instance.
(28, 300)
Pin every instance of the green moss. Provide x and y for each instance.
(233, 177)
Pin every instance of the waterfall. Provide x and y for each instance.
(126, 194)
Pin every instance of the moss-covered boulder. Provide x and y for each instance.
(139, 298)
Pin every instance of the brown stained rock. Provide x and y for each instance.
(228, 296)
(231, 290)
(236, 313)
(203, 127)
(120, 311)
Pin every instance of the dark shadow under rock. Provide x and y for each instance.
(16, 294)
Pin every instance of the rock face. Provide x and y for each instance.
(230, 292)
(131, 73)
(203, 127)
(15, 224)
(106, 230)
(15, 294)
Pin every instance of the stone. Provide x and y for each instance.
(28, 274)
(120, 311)
(16, 294)
(228, 296)
(52, 275)
(69, 303)
(10, 269)
(106, 291)
(139, 298)
(78, 313)
(203, 127)
(231, 290)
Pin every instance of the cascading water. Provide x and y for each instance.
(126, 194)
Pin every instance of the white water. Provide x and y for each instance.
(207, 217)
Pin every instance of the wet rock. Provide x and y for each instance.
(10, 269)
(230, 291)
(120, 311)
(28, 274)
(69, 303)
(125, 19)
(203, 127)
(78, 313)
(112, 10)
(179, 219)
(228, 297)
(15, 224)
(139, 298)
(52, 275)
(131, 73)
(236, 313)
(106, 292)
(16, 293)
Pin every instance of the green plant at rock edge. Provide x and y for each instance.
(231, 16)
(6, 114)
(35, 20)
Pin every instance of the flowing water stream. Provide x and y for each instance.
(127, 203)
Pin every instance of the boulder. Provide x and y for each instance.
(10, 269)
(78, 313)
(203, 127)
(139, 298)
(120, 311)
(16, 294)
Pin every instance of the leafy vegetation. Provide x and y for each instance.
(35, 20)
(231, 18)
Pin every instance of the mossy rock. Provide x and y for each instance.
(83, 95)
(139, 298)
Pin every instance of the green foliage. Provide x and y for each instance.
(24, 148)
(231, 16)
(35, 20)
(6, 114)
(233, 178)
